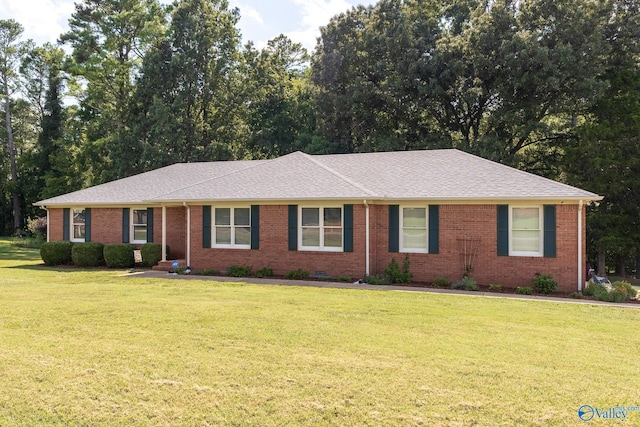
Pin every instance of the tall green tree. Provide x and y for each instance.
(109, 38)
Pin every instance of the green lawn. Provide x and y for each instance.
(95, 348)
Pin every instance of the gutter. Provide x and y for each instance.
(580, 243)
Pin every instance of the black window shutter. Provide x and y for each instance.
(348, 228)
(206, 226)
(66, 214)
(503, 230)
(434, 229)
(293, 227)
(394, 228)
(255, 227)
(125, 225)
(149, 225)
(87, 224)
(549, 218)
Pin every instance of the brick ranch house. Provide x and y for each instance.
(344, 215)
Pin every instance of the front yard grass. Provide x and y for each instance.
(94, 348)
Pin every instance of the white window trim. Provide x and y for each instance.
(540, 252)
(402, 249)
(233, 244)
(132, 226)
(72, 236)
(320, 248)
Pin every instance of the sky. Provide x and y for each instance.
(261, 20)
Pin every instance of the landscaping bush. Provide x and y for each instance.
(152, 254)
(440, 282)
(56, 253)
(264, 272)
(206, 272)
(625, 289)
(467, 283)
(119, 255)
(238, 271)
(38, 226)
(495, 288)
(576, 295)
(597, 291)
(344, 279)
(297, 274)
(90, 254)
(397, 275)
(524, 290)
(377, 279)
(544, 284)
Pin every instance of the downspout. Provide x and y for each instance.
(580, 267)
(164, 233)
(188, 232)
(367, 238)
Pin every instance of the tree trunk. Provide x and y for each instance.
(15, 199)
(638, 262)
(621, 269)
(601, 261)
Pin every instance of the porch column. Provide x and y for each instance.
(580, 243)
(188, 233)
(164, 233)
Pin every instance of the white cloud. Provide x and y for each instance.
(43, 20)
(249, 12)
(315, 14)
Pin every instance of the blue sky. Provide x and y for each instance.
(261, 20)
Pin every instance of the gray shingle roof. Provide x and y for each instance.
(406, 175)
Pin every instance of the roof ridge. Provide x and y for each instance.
(339, 175)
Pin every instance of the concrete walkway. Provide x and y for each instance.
(364, 286)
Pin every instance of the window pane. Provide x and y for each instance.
(414, 238)
(332, 217)
(78, 231)
(310, 217)
(310, 237)
(526, 219)
(526, 241)
(241, 216)
(414, 217)
(140, 216)
(223, 235)
(78, 216)
(140, 232)
(333, 237)
(223, 216)
(243, 236)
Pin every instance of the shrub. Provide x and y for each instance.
(397, 275)
(37, 226)
(524, 290)
(119, 255)
(152, 254)
(440, 281)
(467, 283)
(264, 272)
(238, 271)
(625, 289)
(344, 279)
(377, 279)
(206, 272)
(56, 253)
(90, 254)
(576, 295)
(598, 291)
(495, 288)
(297, 274)
(544, 284)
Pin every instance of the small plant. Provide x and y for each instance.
(377, 279)
(398, 275)
(467, 283)
(544, 284)
(152, 254)
(238, 271)
(576, 295)
(597, 291)
(90, 254)
(344, 279)
(624, 288)
(495, 288)
(56, 253)
(119, 255)
(264, 272)
(206, 272)
(524, 290)
(440, 282)
(297, 274)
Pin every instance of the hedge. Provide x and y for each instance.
(119, 255)
(56, 253)
(152, 254)
(87, 254)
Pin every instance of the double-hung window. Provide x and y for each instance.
(321, 229)
(139, 225)
(231, 227)
(414, 231)
(78, 225)
(526, 230)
